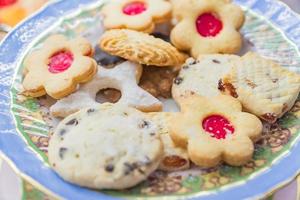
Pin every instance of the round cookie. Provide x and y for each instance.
(202, 76)
(88, 149)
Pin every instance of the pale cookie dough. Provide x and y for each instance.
(214, 129)
(141, 48)
(207, 26)
(262, 86)
(111, 146)
(58, 67)
(174, 158)
(139, 15)
(123, 77)
(202, 76)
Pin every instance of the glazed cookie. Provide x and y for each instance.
(88, 149)
(202, 76)
(141, 15)
(141, 48)
(262, 86)
(123, 77)
(174, 158)
(214, 129)
(208, 27)
(58, 67)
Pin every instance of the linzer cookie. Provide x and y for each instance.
(58, 67)
(214, 129)
(141, 15)
(202, 76)
(141, 48)
(108, 147)
(207, 27)
(174, 158)
(123, 77)
(262, 86)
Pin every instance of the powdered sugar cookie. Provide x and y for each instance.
(123, 77)
(174, 158)
(262, 86)
(202, 76)
(58, 67)
(214, 129)
(139, 15)
(207, 27)
(141, 48)
(88, 149)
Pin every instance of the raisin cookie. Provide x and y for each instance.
(58, 67)
(139, 15)
(214, 129)
(202, 76)
(88, 149)
(141, 48)
(262, 86)
(123, 77)
(207, 26)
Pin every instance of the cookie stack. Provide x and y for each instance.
(154, 49)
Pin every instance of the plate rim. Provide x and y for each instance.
(288, 30)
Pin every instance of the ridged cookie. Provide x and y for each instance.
(202, 76)
(108, 147)
(262, 86)
(141, 48)
(174, 158)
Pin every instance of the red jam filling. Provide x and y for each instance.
(217, 126)
(208, 25)
(60, 62)
(134, 8)
(7, 2)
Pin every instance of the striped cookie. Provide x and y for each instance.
(262, 86)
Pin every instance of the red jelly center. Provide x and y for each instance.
(134, 8)
(7, 2)
(217, 126)
(208, 25)
(60, 61)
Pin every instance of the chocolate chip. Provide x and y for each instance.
(125, 113)
(152, 134)
(185, 67)
(194, 62)
(72, 122)
(178, 80)
(216, 61)
(62, 152)
(62, 132)
(274, 80)
(141, 171)
(91, 110)
(144, 124)
(128, 168)
(109, 168)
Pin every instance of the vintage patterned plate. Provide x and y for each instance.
(271, 29)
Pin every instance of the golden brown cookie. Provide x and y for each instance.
(262, 86)
(139, 15)
(214, 129)
(58, 67)
(141, 48)
(207, 26)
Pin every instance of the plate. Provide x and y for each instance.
(271, 29)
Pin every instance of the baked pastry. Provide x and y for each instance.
(207, 26)
(262, 86)
(139, 15)
(58, 67)
(214, 129)
(202, 76)
(123, 77)
(141, 48)
(174, 158)
(88, 149)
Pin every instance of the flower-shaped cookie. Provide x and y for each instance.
(139, 15)
(207, 27)
(58, 67)
(215, 129)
